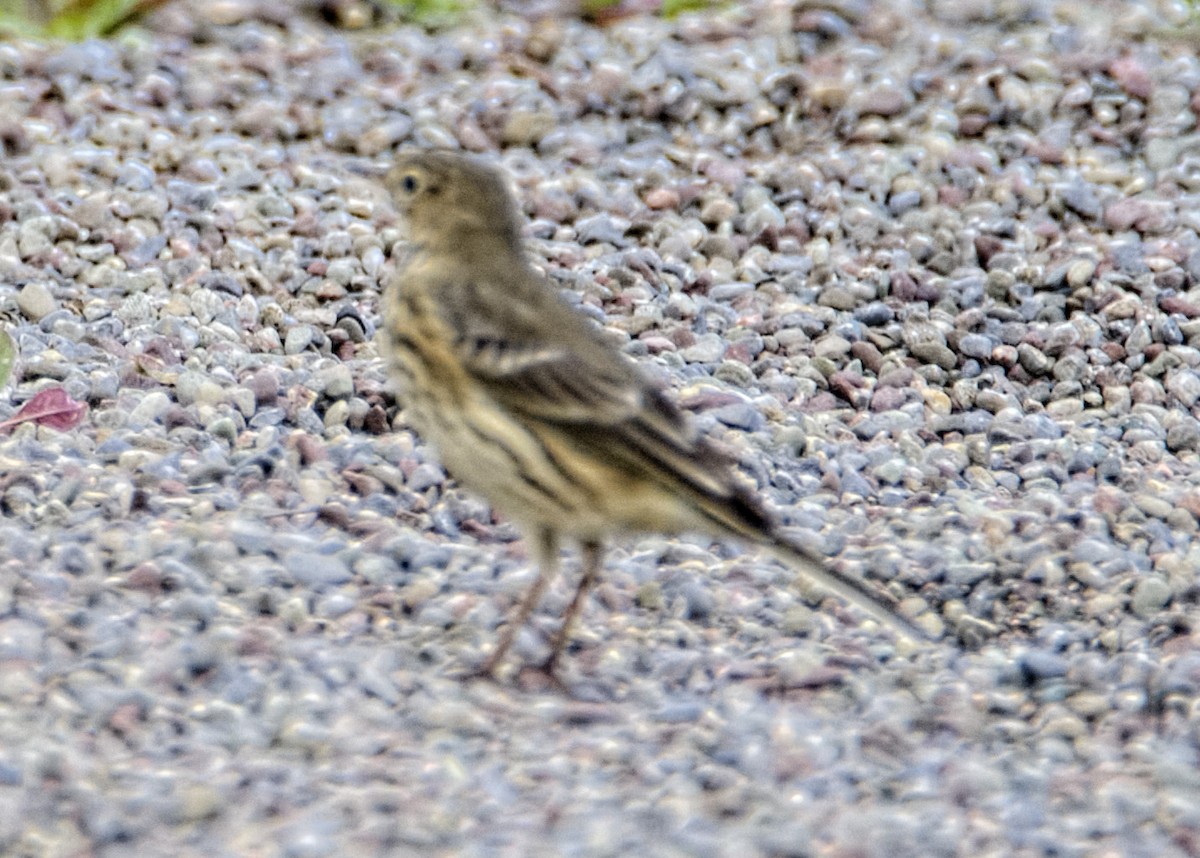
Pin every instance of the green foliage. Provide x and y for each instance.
(671, 8)
(87, 19)
(666, 8)
(8, 356)
(431, 12)
(75, 20)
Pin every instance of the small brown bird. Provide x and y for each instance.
(529, 406)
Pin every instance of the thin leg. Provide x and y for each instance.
(546, 548)
(592, 555)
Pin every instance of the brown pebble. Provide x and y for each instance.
(1114, 351)
(821, 401)
(1177, 304)
(888, 398)
(1190, 501)
(1004, 355)
(265, 386)
(172, 488)
(145, 576)
(376, 422)
(868, 354)
(362, 484)
(335, 514)
(662, 198)
(848, 385)
(310, 448)
(987, 246)
(899, 377)
(1132, 76)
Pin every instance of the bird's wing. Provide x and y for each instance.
(542, 360)
(536, 354)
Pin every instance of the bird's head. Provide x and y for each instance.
(449, 198)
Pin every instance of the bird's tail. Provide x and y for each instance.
(818, 569)
(732, 510)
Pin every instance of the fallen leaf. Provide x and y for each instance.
(51, 407)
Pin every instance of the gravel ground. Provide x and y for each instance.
(931, 269)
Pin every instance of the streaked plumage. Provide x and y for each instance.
(529, 406)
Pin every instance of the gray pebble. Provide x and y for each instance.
(35, 301)
(150, 408)
(1034, 361)
(874, 314)
(298, 338)
(1150, 596)
(742, 416)
(964, 341)
(335, 382)
(976, 346)
(426, 475)
(316, 571)
(934, 353)
(1184, 384)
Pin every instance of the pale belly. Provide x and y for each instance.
(538, 480)
(530, 473)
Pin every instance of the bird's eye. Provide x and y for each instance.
(409, 183)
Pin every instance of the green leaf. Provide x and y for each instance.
(616, 9)
(595, 7)
(68, 19)
(87, 19)
(432, 12)
(21, 19)
(8, 356)
(672, 8)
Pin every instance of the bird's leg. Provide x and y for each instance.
(546, 551)
(592, 555)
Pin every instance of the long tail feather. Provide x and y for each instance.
(818, 569)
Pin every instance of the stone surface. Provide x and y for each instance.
(927, 271)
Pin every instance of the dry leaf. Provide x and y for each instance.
(51, 407)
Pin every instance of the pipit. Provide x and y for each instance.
(531, 407)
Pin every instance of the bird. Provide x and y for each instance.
(531, 406)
